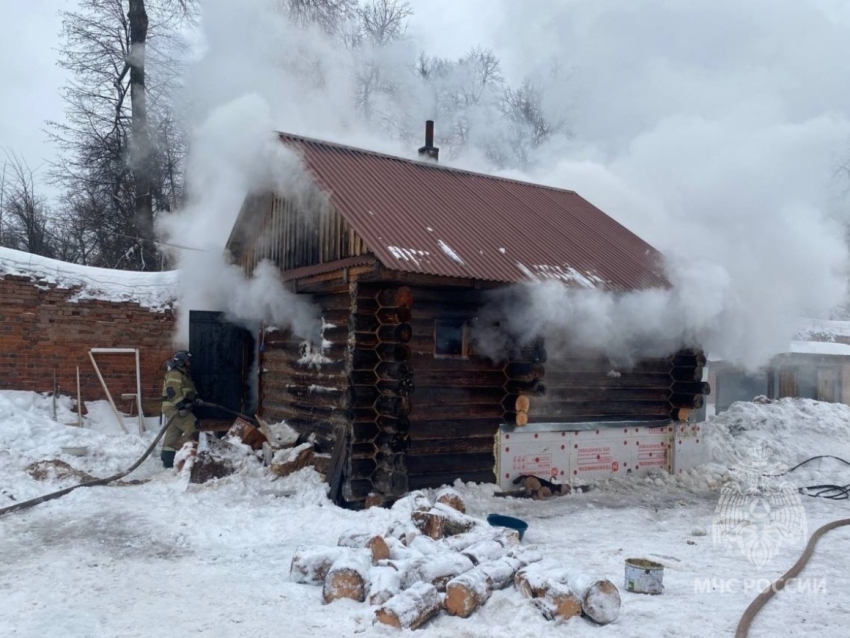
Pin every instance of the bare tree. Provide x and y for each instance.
(331, 16)
(120, 151)
(529, 126)
(24, 215)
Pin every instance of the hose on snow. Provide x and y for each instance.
(102, 481)
(779, 584)
(109, 479)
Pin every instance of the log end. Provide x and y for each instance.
(602, 602)
(344, 583)
(386, 617)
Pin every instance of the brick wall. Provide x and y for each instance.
(41, 332)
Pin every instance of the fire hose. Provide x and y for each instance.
(109, 479)
(779, 583)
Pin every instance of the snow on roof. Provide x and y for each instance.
(820, 347)
(154, 290)
(823, 330)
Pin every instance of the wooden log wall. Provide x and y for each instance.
(586, 389)
(380, 378)
(457, 404)
(306, 385)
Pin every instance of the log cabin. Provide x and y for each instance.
(400, 255)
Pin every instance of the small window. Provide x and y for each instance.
(450, 338)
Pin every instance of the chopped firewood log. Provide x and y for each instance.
(402, 531)
(384, 583)
(545, 492)
(348, 577)
(484, 551)
(322, 464)
(287, 461)
(411, 608)
(373, 542)
(455, 522)
(522, 403)
(310, 565)
(419, 501)
(558, 603)
(430, 522)
(522, 419)
(504, 536)
(470, 590)
(449, 496)
(600, 599)
(541, 582)
(247, 433)
(372, 499)
(407, 568)
(439, 569)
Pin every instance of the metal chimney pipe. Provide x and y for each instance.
(429, 151)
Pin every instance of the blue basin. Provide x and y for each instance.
(498, 520)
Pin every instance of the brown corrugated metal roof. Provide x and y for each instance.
(427, 218)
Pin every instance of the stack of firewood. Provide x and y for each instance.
(442, 559)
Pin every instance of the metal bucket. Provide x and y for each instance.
(644, 576)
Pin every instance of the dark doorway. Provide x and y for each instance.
(222, 356)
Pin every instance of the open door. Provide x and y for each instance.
(222, 356)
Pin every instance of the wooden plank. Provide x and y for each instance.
(337, 464)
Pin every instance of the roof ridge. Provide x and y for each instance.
(419, 163)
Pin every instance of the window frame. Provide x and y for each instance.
(465, 349)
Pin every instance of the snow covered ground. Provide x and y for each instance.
(166, 558)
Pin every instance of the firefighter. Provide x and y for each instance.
(178, 398)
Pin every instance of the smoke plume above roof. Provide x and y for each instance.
(712, 130)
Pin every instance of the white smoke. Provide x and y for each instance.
(713, 132)
(234, 153)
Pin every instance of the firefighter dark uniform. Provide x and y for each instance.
(178, 397)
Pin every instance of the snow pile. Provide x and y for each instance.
(154, 290)
(29, 435)
(769, 437)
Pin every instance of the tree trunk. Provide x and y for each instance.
(140, 158)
